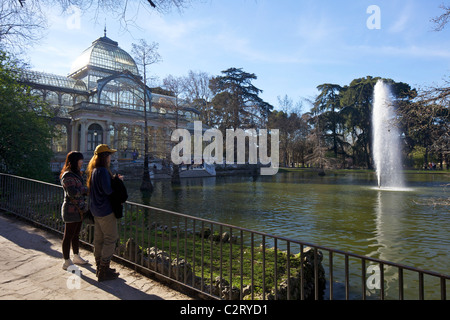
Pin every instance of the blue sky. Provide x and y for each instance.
(291, 45)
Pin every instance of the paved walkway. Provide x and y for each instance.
(31, 269)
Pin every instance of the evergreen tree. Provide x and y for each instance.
(237, 100)
(25, 130)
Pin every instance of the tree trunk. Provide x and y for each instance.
(146, 184)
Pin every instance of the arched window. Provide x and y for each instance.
(66, 104)
(95, 136)
(79, 98)
(52, 98)
(66, 100)
(122, 92)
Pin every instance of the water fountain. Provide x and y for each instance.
(386, 140)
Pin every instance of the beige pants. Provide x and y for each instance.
(105, 237)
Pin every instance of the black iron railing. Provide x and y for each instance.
(222, 261)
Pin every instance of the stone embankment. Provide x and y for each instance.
(181, 270)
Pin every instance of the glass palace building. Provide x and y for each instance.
(102, 101)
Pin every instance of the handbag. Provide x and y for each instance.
(88, 217)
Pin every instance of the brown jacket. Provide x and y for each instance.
(74, 197)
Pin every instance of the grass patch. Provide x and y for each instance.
(212, 252)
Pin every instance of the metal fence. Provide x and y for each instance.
(222, 261)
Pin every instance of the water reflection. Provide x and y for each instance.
(341, 211)
(390, 211)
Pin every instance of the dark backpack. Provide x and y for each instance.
(118, 197)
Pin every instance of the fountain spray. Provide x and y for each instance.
(386, 139)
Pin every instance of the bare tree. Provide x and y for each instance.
(441, 21)
(125, 11)
(20, 24)
(118, 6)
(198, 93)
(23, 22)
(427, 121)
(176, 86)
(146, 55)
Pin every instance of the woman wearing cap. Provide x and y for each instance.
(106, 233)
(73, 207)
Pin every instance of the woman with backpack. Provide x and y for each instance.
(100, 190)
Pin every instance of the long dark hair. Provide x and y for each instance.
(71, 163)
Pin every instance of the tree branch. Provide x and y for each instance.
(443, 19)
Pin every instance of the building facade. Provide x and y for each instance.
(102, 101)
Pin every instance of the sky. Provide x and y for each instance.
(292, 46)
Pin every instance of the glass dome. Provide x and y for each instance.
(105, 54)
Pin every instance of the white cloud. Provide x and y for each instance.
(174, 30)
(251, 50)
(400, 22)
(415, 51)
(315, 30)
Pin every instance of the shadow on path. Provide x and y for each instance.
(28, 236)
(45, 270)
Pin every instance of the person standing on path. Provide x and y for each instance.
(73, 207)
(105, 233)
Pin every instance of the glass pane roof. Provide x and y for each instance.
(105, 53)
(52, 80)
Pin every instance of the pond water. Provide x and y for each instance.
(343, 210)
